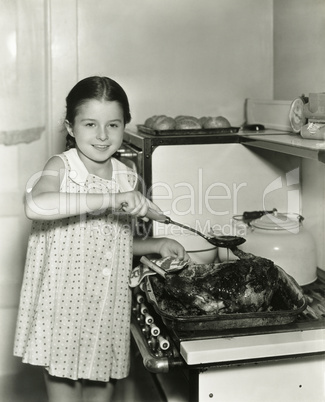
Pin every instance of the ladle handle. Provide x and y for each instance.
(160, 217)
(157, 216)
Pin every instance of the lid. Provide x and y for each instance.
(278, 221)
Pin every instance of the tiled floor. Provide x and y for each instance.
(28, 385)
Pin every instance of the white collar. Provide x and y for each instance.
(79, 173)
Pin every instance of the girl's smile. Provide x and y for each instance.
(101, 148)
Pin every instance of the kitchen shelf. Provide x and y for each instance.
(288, 143)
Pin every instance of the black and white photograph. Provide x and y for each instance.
(162, 199)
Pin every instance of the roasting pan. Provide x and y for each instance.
(234, 320)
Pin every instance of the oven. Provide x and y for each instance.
(277, 363)
(203, 181)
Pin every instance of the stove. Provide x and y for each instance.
(203, 356)
(223, 365)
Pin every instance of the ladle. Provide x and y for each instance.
(218, 241)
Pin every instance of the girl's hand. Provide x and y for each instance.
(133, 203)
(163, 245)
(170, 247)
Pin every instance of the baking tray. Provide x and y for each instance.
(235, 320)
(196, 131)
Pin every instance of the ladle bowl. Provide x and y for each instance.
(217, 241)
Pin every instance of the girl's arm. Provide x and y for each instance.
(46, 202)
(163, 246)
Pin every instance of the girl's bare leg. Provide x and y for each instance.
(62, 389)
(95, 391)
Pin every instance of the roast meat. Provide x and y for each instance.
(191, 294)
(245, 285)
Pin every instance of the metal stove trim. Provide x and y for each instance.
(253, 347)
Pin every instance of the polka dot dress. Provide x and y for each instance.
(74, 315)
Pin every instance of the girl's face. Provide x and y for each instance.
(98, 130)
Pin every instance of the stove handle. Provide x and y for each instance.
(152, 363)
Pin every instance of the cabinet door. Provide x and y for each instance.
(300, 379)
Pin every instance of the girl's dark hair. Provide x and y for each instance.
(100, 88)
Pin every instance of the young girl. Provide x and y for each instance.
(74, 316)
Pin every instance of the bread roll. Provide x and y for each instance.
(187, 122)
(183, 116)
(202, 120)
(216, 122)
(164, 123)
(150, 121)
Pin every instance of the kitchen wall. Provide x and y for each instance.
(299, 52)
(182, 57)
(299, 64)
(172, 57)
